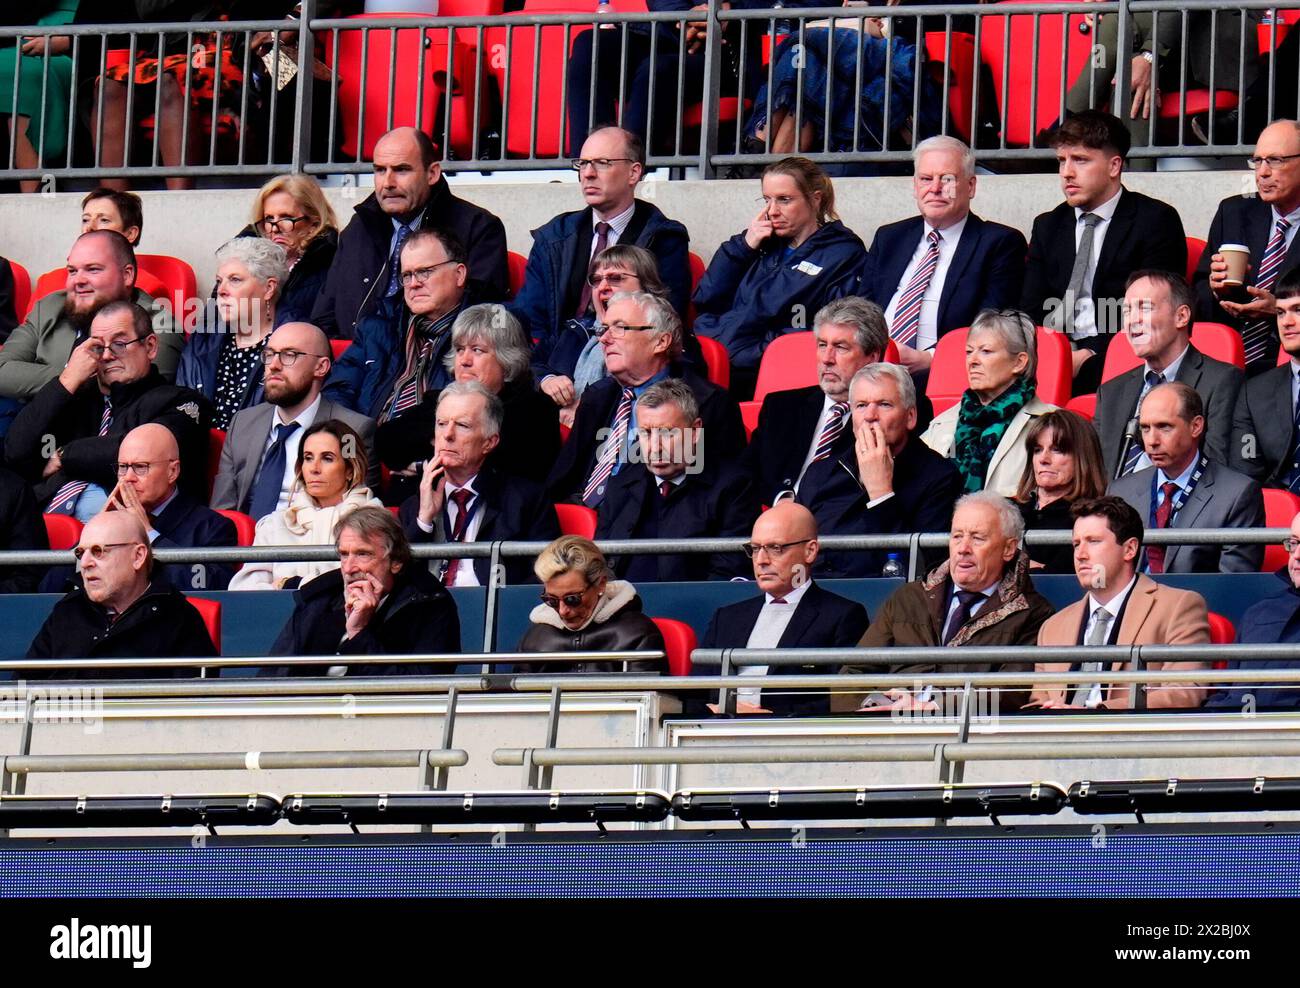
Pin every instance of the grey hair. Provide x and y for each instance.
(1010, 520)
(495, 325)
(659, 313)
(899, 375)
(1017, 332)
(265, 260)
(571, 553)
(374, 522)
(943, 143)
(493, 409)
(871, 332)
(671, 391)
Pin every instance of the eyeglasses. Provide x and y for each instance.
(782, 201)
(600, 164)
(97, 551)
(1273, 160)
(281, 224)
(139, 469)
(569, 600)
(286, 357)
(617, 330)
(117, 346)
(772, 549)
(420, 275)
(1291, 544)
(615, 279)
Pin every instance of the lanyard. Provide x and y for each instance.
(1180, 495)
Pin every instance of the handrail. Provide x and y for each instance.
(234, 760)
(196, 662)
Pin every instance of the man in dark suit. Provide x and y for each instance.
(297, 358)
(642, 343)
(1266, 223)
(883, 481)
(462, 500)
(1082, 252)
(675, 492)
(1266, 424)
(935, 272)
(21, 527)
(1183, 488)
(1158, 308)
(794, 612)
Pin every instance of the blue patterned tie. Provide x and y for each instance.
(265, 494)
(395, 262)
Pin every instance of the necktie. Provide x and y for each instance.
(966, 601)
(665, 488)
(461, 499)
(1133, 451)
(395, 262)
(265, 492)
(64, 501)
(907, 316)
(602, 241)
(1292, 481)
(1258, 337)
(1075, 290)
(1098, 635)
(831, 431)
(1156, 553)
(609, 452)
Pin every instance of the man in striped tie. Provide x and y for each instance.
(1265, 222)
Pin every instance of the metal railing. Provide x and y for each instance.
(503, 92)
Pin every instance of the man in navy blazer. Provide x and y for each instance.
(980, 265)
(793, 612)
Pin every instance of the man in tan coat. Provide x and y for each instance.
(1122, 607)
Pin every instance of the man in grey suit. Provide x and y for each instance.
(1158, 307)
(297, 358)
(1266, 423)
(1183, 488)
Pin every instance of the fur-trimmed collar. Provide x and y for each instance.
(618, 594)
(1010, 597)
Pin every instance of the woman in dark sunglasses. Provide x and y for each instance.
(583, 610)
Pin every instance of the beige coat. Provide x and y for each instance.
(1009, 459)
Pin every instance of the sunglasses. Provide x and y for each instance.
(569, 600)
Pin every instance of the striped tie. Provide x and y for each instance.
(1134, 451)
(831, 431)
(409, 395)
(907, 317)
(1258, 336)
(64, 501)
(610, 452)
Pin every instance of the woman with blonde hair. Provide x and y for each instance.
(292, 211)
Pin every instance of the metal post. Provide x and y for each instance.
(18, 785)
(1123, 99)
(552, 734)
(955, 772)
(441, 773)
(1136, 664)
(303, 96)
(726, 699)
(712, 91)
(490, 608)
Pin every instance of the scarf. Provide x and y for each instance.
(980, 429)
(421, 343)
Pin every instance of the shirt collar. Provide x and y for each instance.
(1182, 479)
(304, 418)
(1292, 217)
(793, 597)
(952, 234)
(639, 389)
(1113, 605)
(413, 225)
(467, 486)
(1106, 210)
(1170, 373)
(161, 506)
(617, 224)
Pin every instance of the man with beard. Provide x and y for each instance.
(101, 269)
(256, 471)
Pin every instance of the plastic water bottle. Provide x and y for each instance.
(893, 566)
(604, 7)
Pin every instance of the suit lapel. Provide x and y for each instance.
(966, 249)
(1130, 386)
(1136, 611)
(1117, 233)
(900, 256)
(1188, 514)
(803, 618)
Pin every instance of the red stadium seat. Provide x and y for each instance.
(337, 347)
(245, 527)
(1033, 91)
(1271, 34)
(1280, 509)
(947, 380)
(749, 411)
(176, 277)
(698, 267)
(63, 531)
(1195, 248)
(515, 264)
(22, 289)
(1085, 405)
(47, 284)
(679, 643)
(576, 519)
(959, 57)
(510, 56)
(470, 8)
(1212, 338)
(717, 361)
(210, 611)
(790, 361)
(216, 440)
(1198, 101)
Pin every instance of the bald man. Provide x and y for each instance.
(793, 612)
(256, 471)
(122, 610)
(410, 194)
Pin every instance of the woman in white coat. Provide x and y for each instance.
(984, 433)
(329, 484)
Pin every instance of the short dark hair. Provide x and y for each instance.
(450, 242)
(1190, 403)
(129, 205)
(1180, 292)
(1288, 284)
(123, 252)
(1095, 129)
(1122, 519)
(140, 318)
(428, 150)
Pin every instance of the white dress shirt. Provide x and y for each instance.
(1167, 376)
(617, 224)
(305, 420)
(927, 333)
(1085, 323)
(1112, 607)
(772, 621)
(928, 692)
(465, 575)
(1292, 217)
(827, 404)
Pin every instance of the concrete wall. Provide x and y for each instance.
(38, 229)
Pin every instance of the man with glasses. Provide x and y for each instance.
(410, 194)
(643, 345)
(794, 611)
(123, 610)
(556, 289)
(256, 472)
(65, 442)
(1264, 221)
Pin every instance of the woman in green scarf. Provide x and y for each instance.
(984, 432)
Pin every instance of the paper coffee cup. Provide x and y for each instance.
(1238, 258)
